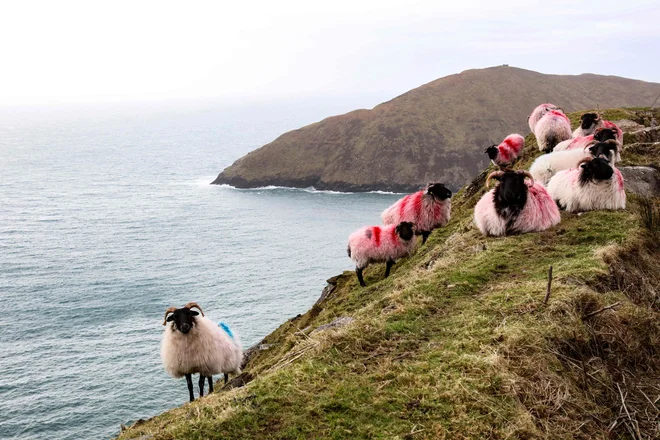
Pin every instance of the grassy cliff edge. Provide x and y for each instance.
(458, 342)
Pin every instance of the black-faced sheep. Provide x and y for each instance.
(600, 135)
(506, 153)
(194, 344)
(589, 122)
(380, 244)
(428, 209)
(513, 206)
(593, 185)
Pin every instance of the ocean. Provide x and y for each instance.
(107, 218)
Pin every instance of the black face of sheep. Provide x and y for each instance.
(605, 134)
(183, 319)
(439, 191)
(606, 150)
(511, 193)
(595, 169)
(405, 230)
(588, 119)
(491, 152)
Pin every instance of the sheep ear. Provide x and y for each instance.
(170, 318)
(194, 313)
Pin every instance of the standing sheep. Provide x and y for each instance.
(506, 153)
(538, 113)
(594, 184)
(380, 244)
(428, 209)
(193, 344)
(551, 129)
(513, 206)
(589, 122)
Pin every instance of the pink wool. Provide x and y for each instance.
(619, 133)
(553, 128)
(378, 244)
(565, 188)
(540, 213)
(509, 150)
(420, 208)
(538, 113)
(575, 144)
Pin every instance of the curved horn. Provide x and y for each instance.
(492, 175)
(190, 305)
(167, 312)
(527, 174)
(584, 160)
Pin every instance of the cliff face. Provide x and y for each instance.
(459, 343)
(436, 132)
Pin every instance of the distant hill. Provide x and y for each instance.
(436, 132)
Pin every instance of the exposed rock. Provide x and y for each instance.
(327, 290)
(252, 351)
(239, 381)
(643, 181)
(339, 322)
(646, 135)
(628, 125)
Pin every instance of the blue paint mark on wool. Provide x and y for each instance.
(226, 329)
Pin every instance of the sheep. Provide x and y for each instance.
(192, 344)
(428, 209)
(601, 134)
(513, 206)
(551, 129)
(594, 184)
(380, 244)
(547, 165)
(504, 154)
(589, 122)
(538, 113)
(613, 126)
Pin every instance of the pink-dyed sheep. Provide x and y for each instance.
(580, 143)
(593, 185)
(513, 206)
(538, 113)
(506, 153)
(618, 132)
(551, 129)
(428, 209)
(380, 244)
(589, 122)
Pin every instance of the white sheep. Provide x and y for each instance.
(538, 113)
(593, 185)
(194, 344)
(551, 129)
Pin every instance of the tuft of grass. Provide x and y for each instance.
(457, 343)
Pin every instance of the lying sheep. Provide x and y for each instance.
(380, 244)
(551, 129)
(618, 131)
(589, 122)
(547, 165)
(538, 113)
(594, 184)
(601, 135)
(427, 209)
(193, 344)
(506, 153)
(513, 206)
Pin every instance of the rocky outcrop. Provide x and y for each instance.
(643, 181)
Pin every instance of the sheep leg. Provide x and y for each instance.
(358, 272)
(210, 384)
(201, 385)
(226, 378)
(388, 266)
(190, 386)
(425, 236)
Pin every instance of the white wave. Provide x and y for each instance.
(309, 189)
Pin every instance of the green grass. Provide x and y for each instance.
(457, 343)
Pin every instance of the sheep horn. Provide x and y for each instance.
(167, 312)
(584, 160)
(528, 175)
(493, 174)
(190, 305)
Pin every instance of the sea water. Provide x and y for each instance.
(107, 218)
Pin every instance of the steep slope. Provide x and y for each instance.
(436, 132)
(458, 343)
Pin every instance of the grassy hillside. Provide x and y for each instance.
(436, 132)
(458, 343)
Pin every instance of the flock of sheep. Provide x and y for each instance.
(577, 173)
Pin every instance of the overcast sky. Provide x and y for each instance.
(56, 52)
